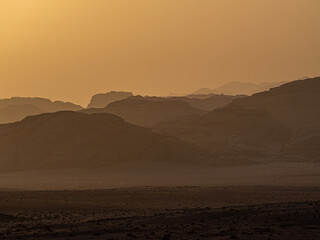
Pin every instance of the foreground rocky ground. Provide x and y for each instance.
(162, 213)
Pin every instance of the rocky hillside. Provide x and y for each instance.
(296, 104)
(231, 128)
(78, 140)
(282, 121)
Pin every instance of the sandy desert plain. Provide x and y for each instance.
(281, 203)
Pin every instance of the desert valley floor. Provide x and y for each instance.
(243, 202)
(162, 213)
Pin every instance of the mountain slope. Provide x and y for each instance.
(42, 103)
(305, 144)
(13, 113)
(282, 121)
(231, 128)
(103, 99)
(207, 102)
(296, 104)
(240, 88)
(148, 111)
(77, 140)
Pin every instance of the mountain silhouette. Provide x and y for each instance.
(240, 88)
(78, 140)
(296, 103)
(16, 108)
(148, 111)
(232, 128)
(103, 99)
(282, 121)
(207, 102)
(13, 113)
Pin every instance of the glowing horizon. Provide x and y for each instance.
(70, 50)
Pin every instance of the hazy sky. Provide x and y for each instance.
(72, 49)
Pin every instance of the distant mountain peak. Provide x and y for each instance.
(77, 140)
(239, 88)
(16, 108)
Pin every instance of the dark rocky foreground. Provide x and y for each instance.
(162, 213)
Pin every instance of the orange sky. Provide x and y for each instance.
(72, 49)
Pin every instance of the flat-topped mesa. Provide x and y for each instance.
(16, 108)
(103, 99)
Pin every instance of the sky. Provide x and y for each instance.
(72, 49)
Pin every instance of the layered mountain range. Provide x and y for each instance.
(17, 108)
(149, 111)
(240, 88)
(78, 140)
(281, 123)
(103, 99)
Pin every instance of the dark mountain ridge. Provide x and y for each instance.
(296, 104)
(282, 121)
(231, 128)
(78, 140)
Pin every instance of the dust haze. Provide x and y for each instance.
(159, 119)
